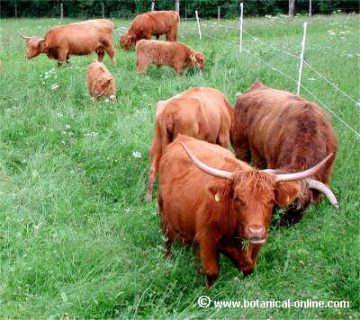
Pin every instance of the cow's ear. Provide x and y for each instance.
(286, 193)
(257, 85)
(219, 190)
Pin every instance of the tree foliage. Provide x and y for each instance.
(129, 8)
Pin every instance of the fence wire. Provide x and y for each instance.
(284, 74)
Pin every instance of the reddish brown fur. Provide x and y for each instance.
(164, 53)
(149, 24)
(190, 212)
(74, 39)
(202, 113)
(100, 81)
(280, 130)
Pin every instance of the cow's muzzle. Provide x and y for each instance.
(256, 234)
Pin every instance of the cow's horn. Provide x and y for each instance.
(24, 37)
(204, 167)
(318, 185)
(302, 174)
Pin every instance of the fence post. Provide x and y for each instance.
(198, 23)
(102, 9)
(301, 62)
(177, 6)
(219, 12)
(61, 11)
(153, 5)
(241, 26)
(310, 8)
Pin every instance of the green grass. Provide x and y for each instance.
(76, 237)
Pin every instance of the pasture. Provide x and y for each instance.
(77, 239)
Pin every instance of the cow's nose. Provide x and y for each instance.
(257, 234)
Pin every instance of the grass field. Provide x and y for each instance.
(77, 239)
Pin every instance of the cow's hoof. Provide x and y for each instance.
(210, 279)
(246, 273)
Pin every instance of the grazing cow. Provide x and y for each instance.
(74, 39)
(164, 53)
(100, 81)
(280, 130)
(222, 204)
(146, 25)
(202, 113)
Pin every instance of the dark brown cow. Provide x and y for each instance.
(146, 25)
(74, 39)
(218, 209)
(279, 130)
(167, 53)
(202, 113)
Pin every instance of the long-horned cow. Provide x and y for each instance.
(79, 38)
(279, 130)
(224, 203)
(202, 113)
(149, 24)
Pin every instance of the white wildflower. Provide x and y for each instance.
(136, 154)
(67, 127)
(91, 134)
(54, 86)
(59, 114)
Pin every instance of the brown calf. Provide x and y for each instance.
(164, 53)
(100, 81)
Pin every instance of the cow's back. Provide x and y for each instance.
(283, 129)
(81, 36)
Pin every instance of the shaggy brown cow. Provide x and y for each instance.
(277, 129)
(202, 113)
(100, 81)
(164, 53)
(146, 25)
(74, 39)
(218, 209)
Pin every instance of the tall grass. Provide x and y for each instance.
(76, 238)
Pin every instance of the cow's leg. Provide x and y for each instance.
(178, 68)
(62, 56)
(232, 249)
(209, 258)
(100, 53)
(141, 67)
(244, 258)
(110, 50)
(249, 256)
(172, 34)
